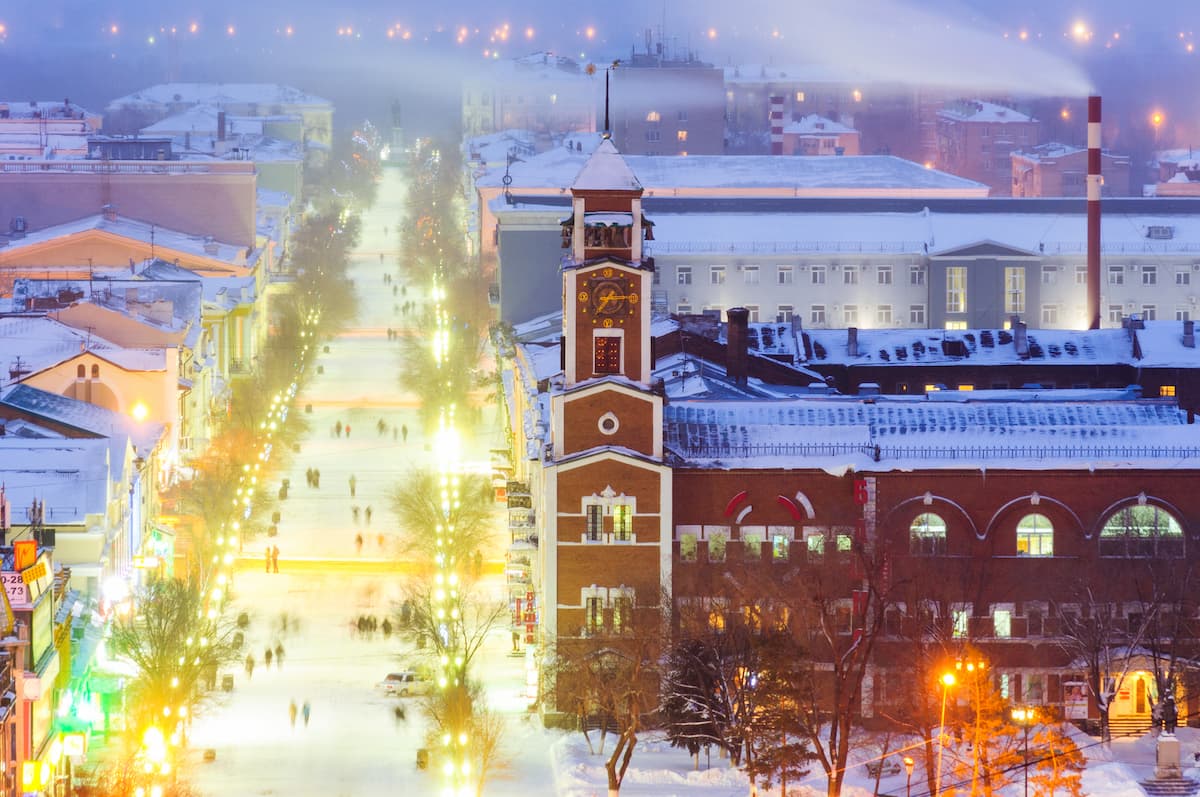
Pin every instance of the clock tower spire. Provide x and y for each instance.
(606, 277)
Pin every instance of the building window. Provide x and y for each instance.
(780, 543)
(956, 289)
(622, 515)
(916, 315)
(654, 135)
(653, 116)
(718, 537)
(595, 522)
(752, 540)
(817, 275)
(750, 275)
(783, 314)
(1116, 275)
(1149, 275)
(916, 276)
(681, 116)
(960, 623)
(883, 315)
(784, 275)
(622, 610)
(1034, 686)
(1166, 391)
(850, 315)
(799, 96)
(957, 325)
(683, 309)
(683, 275)
(681, 135)
(1014, 289)
(883, 275)
(1049, 315)
(607, 355)
(687, 547)
(1149, 312)
(849, 275)
(1142, 531)
(1049, 275)
(927, 535)
(81, 372)
(1002, 623)
(95, 372)
(1035, 536)
(594, 613)
(816, 315)
(1182, 313)
(1081, 275)
(1183, 277)
(1033, 622)
(1115, 312)
(716, 275)
(752, 310)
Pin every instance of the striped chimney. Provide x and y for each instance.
(1094, 182)
(776, 125)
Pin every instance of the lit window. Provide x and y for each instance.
(654, 116)
(1035, 536)
(857, 95)
(956, 289)
(687, 547)
(956, 325)
(927, 535)
(1002, 623)
(1141, 531)
(961, 619)
(799, 96)
(622, 610)
(966, 387)
(622, 515)
(781, 540)
(681, 135)
(752, 540)
(1014, 290)
(594, 613)
(717, 537)
(607, 355)
(1166, 391)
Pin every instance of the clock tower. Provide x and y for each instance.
(606, 543)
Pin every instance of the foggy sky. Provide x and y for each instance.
(1132, 53)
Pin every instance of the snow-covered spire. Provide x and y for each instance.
(606, 170)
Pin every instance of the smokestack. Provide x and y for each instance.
(852, 341)
(1094, 181)
(776, 125)
(737, 342)
(220, 125)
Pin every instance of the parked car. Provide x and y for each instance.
(404, 684)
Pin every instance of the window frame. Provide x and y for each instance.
(1039, 542)
(928, 536)
(1128, 542)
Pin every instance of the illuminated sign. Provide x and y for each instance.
(24, 554)
(32, 574)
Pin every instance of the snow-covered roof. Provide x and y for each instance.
(46, 109)
(814, 125)
(224, 292)
(136, 230)
(202, 120)
(606, 170)
(83, 416)
(557, 168)
(217, 94)
(71, 477)
(790, 73)
(919, 233)
(904, 433)
(1048, 151)
(980, 111)
(42, 343)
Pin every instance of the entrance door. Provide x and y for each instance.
(1141, 696)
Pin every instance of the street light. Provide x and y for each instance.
(1025, 717)
(948, 680)
(908, 768)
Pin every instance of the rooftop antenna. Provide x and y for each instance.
(151, 241)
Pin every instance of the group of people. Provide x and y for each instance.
(313, 477)
(305, 711)
(272, 558)
(368, 624)
(270, 654)
(356, 509)
(338, 428)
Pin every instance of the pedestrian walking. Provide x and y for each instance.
(306, 710)
(267, 656)
(249, 666)
(393, 290)
(367, 513)
(268, 558)
(357, 537)
(398, 712)
(404, 432)
(292, 713)
(347, 431)
(308, 477)
(337, 427)
(387, 628)
(381, 259)
(317, 478)
(279, 655)
(381, 427)
(353, 485)
(379, 539)
(275, 559)
(354, 511)
(403, 291)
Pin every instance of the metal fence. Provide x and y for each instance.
(954, 453)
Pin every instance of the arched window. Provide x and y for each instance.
(81, 372)
(1141, 531)
(1035, 536)
(927, 535)
(95, 372)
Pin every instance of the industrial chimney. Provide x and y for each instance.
(1094, 181)
(220, 125)
(776, 125)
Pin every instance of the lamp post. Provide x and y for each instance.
(948, 681)
(908, 769)
(1025, 717)
(974, 668)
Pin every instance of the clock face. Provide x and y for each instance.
(608, 296)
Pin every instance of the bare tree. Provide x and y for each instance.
(421, 507)
(458, 625)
